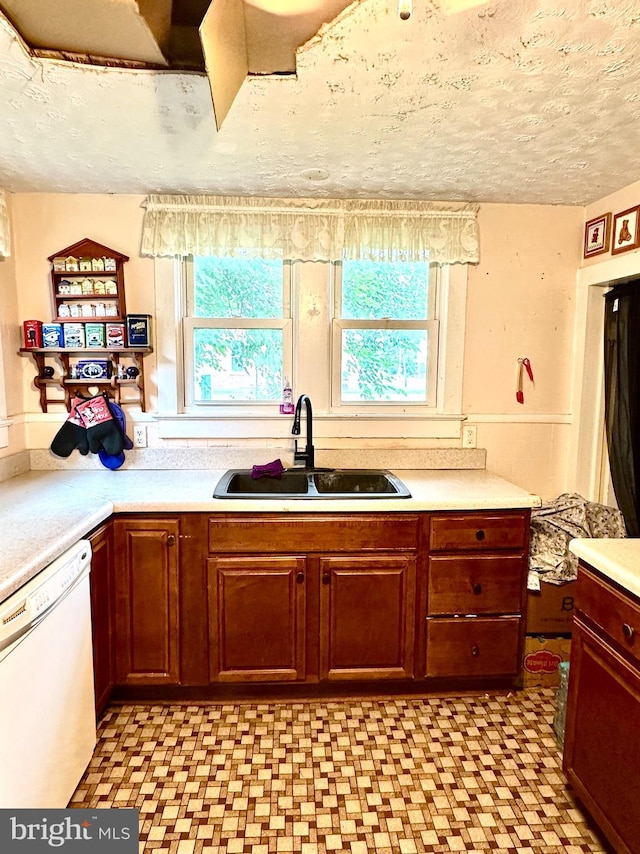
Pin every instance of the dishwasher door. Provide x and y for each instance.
(47, 713)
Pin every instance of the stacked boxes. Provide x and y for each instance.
(549, 626)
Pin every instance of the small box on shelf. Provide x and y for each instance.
(52, 335)
(94, 334)
(32, 331)
(139, 330)
(94, 369)
(73, 336)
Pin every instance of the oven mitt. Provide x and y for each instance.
(114, 461)
(72, 434)
(102, 429)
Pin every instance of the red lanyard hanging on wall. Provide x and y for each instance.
(523, 363)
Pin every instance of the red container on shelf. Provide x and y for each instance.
(32, 333)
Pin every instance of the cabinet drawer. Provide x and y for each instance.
(295, 533)
(472, 646)
(476, 584)
(482, 531)
(616, 614)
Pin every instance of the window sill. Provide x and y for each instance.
(235, 425)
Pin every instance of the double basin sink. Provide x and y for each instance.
(312, 483)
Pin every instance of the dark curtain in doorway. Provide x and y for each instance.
(622, 397)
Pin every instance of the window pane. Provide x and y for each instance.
(384, 365)
(237, 287)
(237, 364)
(371, 290)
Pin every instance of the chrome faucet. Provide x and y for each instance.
(308, 455)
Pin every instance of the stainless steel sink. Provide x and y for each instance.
(240, 484)
(357, 482)
(312, 483)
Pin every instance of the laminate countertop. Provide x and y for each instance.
(43, 513)
(615, 559)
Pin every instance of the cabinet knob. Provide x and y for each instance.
(475, 650)
(326, 578)
(477, 589)
(300, 577)
(628, 631)
(171, 540)
(480, 535)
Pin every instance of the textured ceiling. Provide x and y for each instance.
(520, 101)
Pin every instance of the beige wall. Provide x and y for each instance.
(42, 225)
(10, 362)
(520, 303)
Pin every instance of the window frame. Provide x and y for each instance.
(224, 424)
(430, 324)
(190, 322)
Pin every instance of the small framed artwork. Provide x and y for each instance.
(597, 235)
(626, 230)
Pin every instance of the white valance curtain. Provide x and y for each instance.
(5, 231)
(310, 229)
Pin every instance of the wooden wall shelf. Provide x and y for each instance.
(75, 386)
(88, 275)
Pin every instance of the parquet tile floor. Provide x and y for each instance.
(420, 774)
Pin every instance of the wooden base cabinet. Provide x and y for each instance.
(601, 748)
(476, 594)
(257, 608)
(147, 600)
(367, 616)
(341, 607)
(102, 614)
(206, 601)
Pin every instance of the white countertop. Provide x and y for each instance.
(618, 560)
(43, 513)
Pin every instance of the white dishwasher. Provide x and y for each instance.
(47, 712)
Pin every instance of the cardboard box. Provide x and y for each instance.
(550, 611)
(542, 657)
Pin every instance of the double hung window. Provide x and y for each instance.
(385, 335)
(237, 330)
(362, 338)
(240, 346)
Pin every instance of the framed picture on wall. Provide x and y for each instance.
(626, 230)
(597, 235)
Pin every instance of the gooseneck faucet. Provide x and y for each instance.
(308, 455)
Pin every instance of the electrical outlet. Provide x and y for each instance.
(140, 436)
(469, 436)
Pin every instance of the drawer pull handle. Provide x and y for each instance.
(477, 589)
(475, 650)
(480, 535)
(628, 631)
(326, 578)
(171, 540)
(300, 577)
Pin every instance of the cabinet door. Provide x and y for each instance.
(602, 749)
(367, 616)
(147, 644)
(102, 614)
(257, 617)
